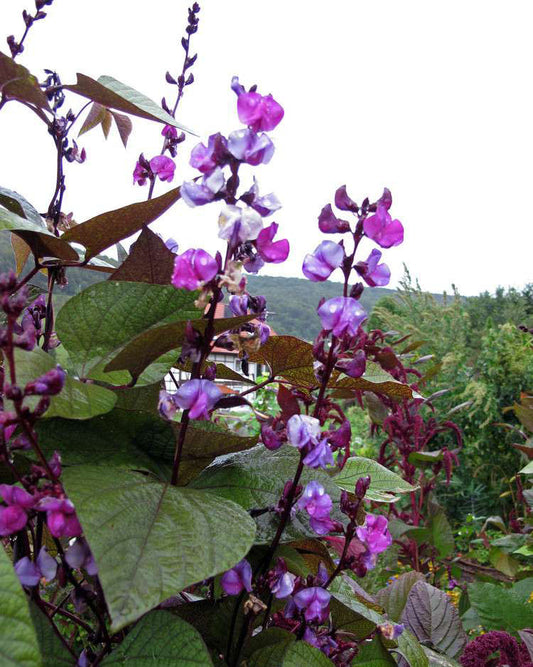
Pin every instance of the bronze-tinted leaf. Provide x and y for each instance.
(375, 379)
(124, 126)
(149, 261)
(39, 239)
(94, 117)
(288, 357)
(17, 83)
(151, 344)
(113, 94)
(106, 229)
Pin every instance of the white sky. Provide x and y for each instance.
(431, 99)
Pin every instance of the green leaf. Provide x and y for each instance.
(411, 650)
(351, 615)
(527, 470)
(161, 639)
(373, 654)
(149, 261)
(106, 229)
(148, 346)
(54, 653)
(289, 357)
(95, 324)
(502, 608)
(431, 617)
(77, 400)
(503, 562)
(438, 659)
(42, 242)
(441, 534)
(18, 642)
(421, 458)
(383, 482)
(394, 596)
(281, 649)
(113, 94)
(16, 83)
(20, 206)
(255, 479)
(151, 540)
(109, 440)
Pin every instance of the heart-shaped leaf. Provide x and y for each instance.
(97, 323)
(151, 540)
(106, 229)
(393, 597)
(161, 639)
(431, 617)
(149, 261)
(17, 83)
(383, 482)
(113, 94)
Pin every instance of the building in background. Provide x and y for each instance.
(221, 356)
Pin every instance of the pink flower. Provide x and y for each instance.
(60, 517)
(274, 252)
(382, 229)
(261, 113)
(12, 519)
(374, 274)
(317, 503)
(163, 166)
(14, 495)
(193, 268)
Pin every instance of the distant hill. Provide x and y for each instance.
(293, 302)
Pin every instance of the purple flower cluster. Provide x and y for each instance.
(197, 396)
(304, 433)
(318, 504)
(375, 535)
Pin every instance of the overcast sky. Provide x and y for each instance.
(431, 99)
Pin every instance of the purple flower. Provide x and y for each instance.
(382, 229)
(271, 251)
(317, 503)
(328, 223)
(374, 274)
(249, 147)
(30, 573)
(239, 305)
(354, 367)
(197, 396)
(163, 166)
(193, 268)
(281, 581)
(265, 205)
(391, 631)
(270, 438)
(342, 315)
(238, 225)
(327, 257)
(14, 495)
(264, 332)
(343, 201)
(27, 572)
(315, 601)
(79, 556)
(261, 113)
(140, 174)
(206, 158)
(375, 536)
(198, 194)
(302, 430)
(46, 564)
(49, 384)
(170, 132)
(60, 517)
(172, 245)
(320, 456)
(12, 519)
(238, 578)
(167, 405)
